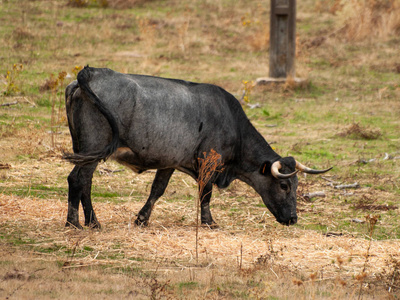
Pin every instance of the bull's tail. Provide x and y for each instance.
(83, 78)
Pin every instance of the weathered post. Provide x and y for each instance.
(282, 39)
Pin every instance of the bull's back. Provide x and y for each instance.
(166, 123)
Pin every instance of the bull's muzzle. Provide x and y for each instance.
(288, 222)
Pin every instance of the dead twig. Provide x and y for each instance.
(5, 166)
(9, 104)
(331, 181)
(347, 186)
(241, 256)
(347, 194)
(106, 171)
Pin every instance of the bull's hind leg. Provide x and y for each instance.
(157, 190)
(79, 189)
(206, 217)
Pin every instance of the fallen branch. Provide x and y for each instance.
(357, 221)
(363, 161)
(309, 196)
(347, 186)
(333, 234)
(9, 104)
(253, 106)
(387, 157)
(347, 194)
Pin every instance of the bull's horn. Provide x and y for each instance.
(305, 169)
(278, 175)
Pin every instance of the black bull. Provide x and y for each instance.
(146, 122)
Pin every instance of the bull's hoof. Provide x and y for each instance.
(93, 225)
(141, 221)
(211, 225)
(75, 225)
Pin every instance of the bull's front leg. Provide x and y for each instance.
(157, 190)
(205, 197)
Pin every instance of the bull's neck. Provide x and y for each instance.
(256, 150)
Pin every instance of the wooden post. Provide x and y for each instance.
(282, 38)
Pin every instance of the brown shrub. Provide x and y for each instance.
(118, 4)
(123, 4)
(260, 39)
(356, 131)
(21, 33)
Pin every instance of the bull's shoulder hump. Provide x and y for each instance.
(160, 82)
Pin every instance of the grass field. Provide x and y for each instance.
(345, 114)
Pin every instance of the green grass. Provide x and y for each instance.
(38, 191)
(51, 249)
(16, 239)
(188, 285)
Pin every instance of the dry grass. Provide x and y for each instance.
(365, 19)
(168, 249)
(360, 20)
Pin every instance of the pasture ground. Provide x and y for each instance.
(345, 114)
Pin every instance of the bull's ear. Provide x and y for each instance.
(265, 168)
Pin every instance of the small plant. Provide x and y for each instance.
(371, 222)
(55, 85)
(258, 39)
(268, 259)
(247, 88)
(158, 290)
(11, 80)
(208, 165)
(182, 33)
(391, 276)
(76, 70)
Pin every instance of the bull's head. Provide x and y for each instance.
(279, 195)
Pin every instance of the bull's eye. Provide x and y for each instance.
(284, 186)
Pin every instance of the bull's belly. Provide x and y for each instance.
(140, 163)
